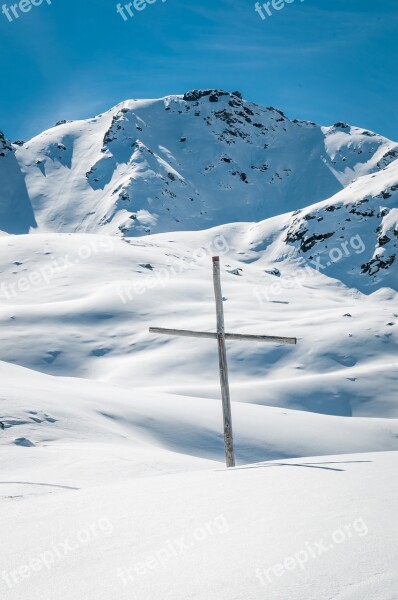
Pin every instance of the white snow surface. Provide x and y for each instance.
(112, 482)
(305, 529)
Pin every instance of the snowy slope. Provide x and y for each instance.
(185, 163)
(88, 301)
(122, 431)
(306, 529)
(357, 227)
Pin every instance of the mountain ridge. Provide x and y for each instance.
(186, 162)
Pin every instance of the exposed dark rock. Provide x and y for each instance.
(295, 234)
(308, 243)
(5, 145)
(195, 95)
(213, 98)
(124, 196)
(227, 116)
(261, 168)
(236, 272)
(365, 213)
(385, 195)
(110, 135)
(275, 272)
(244, 116)
(383, 240)
(280, 113)
(388, 158)
(376, 264)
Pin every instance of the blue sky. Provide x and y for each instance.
(322, 60)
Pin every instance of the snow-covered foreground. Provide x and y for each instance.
(112, 481)
(109, 492)
(307, 529)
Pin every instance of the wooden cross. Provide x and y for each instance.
(221, 336)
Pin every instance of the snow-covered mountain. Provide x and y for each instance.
(184, 163)
(208, 158)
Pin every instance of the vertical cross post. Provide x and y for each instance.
(222, 358)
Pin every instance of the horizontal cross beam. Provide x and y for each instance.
(228, 336)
